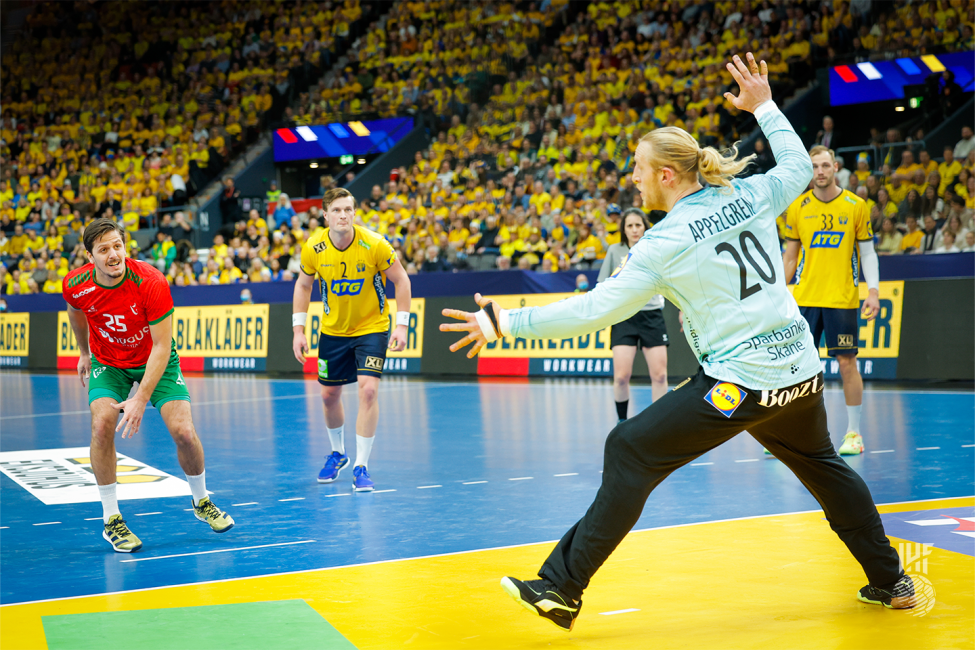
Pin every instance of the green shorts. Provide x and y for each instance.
(106, 381)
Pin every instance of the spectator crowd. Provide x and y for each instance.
(534, 112)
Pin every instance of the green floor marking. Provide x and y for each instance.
(273, 625)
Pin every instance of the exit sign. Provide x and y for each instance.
(346, 159)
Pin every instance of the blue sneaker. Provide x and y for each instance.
(333, 465)
(360, 479)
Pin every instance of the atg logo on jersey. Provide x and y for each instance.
(347, 287)
(826, 239)
(725, 397)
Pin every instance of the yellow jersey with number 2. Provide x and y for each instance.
(828, 271)
(352, 281)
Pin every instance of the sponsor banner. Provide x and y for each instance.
(14, 339)
(60, 476)
(235, 364)
(879, 339)
(571, 367)
(869, 368)
(200, 333)
(580, 356)
(414, 339)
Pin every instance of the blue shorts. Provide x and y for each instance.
(341, 359)
(841, 327)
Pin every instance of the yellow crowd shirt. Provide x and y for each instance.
(828, 271)
(352, 281)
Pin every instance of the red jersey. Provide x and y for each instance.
(119, 317)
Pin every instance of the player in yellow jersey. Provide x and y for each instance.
(352, 263)
(832, 228)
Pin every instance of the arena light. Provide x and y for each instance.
(869, 71)
(359, 129)
(306, 134)
(933, 63)
(314, 165)
(899, 109)
(361, 161)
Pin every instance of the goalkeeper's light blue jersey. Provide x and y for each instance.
(716, 256)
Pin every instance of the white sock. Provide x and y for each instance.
(853, 415)
(363, 447)
(109, 501)
(198, 486)
(337, 438)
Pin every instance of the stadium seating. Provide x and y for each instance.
(534, 111)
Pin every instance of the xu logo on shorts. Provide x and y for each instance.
(844, 340)
(374, 363)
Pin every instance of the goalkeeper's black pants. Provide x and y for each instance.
(689, 421)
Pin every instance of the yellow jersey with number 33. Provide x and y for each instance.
(352, 281)
(828, 271)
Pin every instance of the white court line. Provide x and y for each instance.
(48, 523)
(146, 514)
(381, 491)
(391, 389)
(249, 503)
(291, 499)
(882, 451)
(926, 448)
(427, 487)
(344, 494)
(700, 464)
(437, 555)
(747, 460)
(474, 482)
(222, 550)
(522, 478)
(619, 611)
(414, 385)
(968, 446)
(95, 519)
(569, 474)
(4, 527)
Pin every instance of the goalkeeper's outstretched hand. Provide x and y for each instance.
(470, 325)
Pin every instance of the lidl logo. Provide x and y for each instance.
(347, 287)
(60, 476)
(826, 239)
(726, 397)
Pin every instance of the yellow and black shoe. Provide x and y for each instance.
(119, 536)
(219, 520)
(900, 597)
(543, 598)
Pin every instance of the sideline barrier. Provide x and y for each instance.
(924, 331)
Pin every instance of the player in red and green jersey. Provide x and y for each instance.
(121, 313)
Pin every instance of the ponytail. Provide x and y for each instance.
(676, 148)
(718, 168)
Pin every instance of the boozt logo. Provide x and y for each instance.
(346, 287)
(826, 239)
(81, 293)
(777, 397)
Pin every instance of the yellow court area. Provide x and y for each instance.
(781, 581)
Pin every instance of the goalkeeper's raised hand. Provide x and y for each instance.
(481, 327)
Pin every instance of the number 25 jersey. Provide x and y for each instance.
(119, 317)
(829, 269)
(352, 281)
